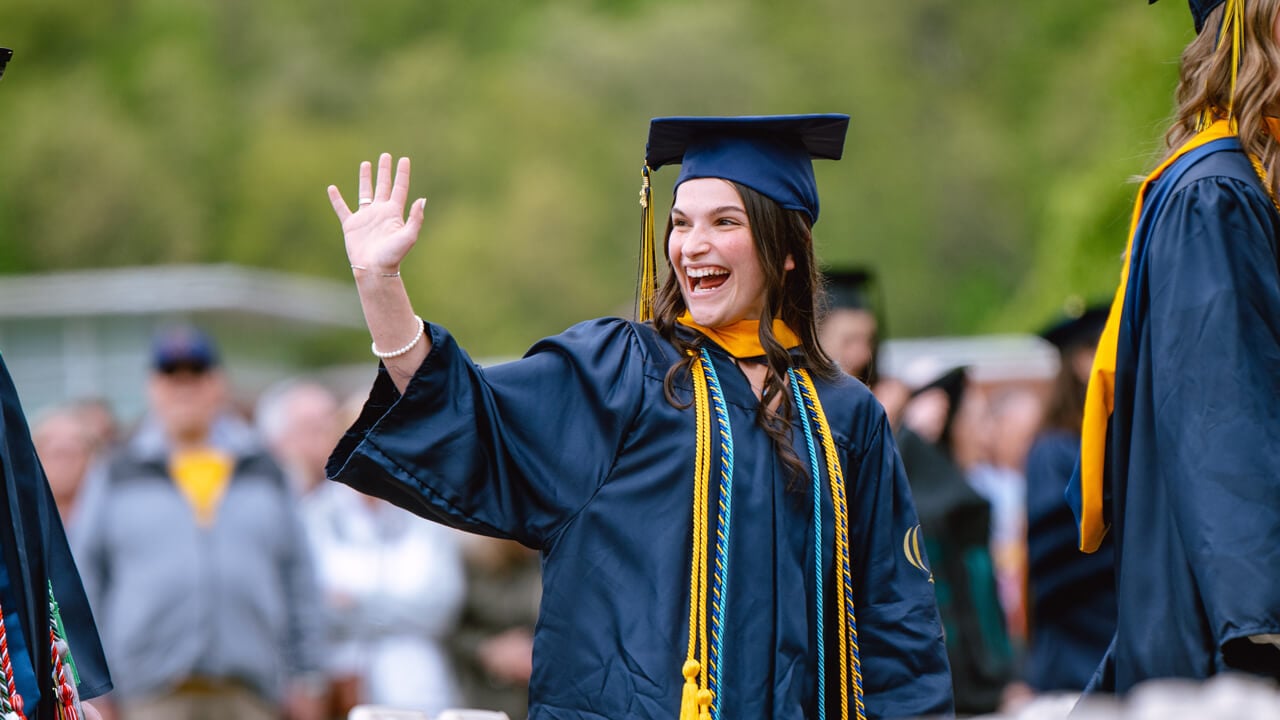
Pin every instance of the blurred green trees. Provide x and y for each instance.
(986, 174)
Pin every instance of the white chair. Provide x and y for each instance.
(382, 712)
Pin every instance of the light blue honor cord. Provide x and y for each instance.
(720, 580)
(817, 538)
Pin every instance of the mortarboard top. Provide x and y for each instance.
(853, 289)
(1080, 328)
(1200, 10)
(771, 154)
(5, 56)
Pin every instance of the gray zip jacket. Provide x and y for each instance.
(236, 601)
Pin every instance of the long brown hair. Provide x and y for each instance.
(1204, 85)
(789, 295)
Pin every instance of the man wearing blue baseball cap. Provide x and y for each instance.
(194, 555)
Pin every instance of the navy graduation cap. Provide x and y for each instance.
(1200, 10)
(771, 154)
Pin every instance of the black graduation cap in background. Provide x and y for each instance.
(854, 289)
(1080, 328)
(5, 56)
(1200, 10)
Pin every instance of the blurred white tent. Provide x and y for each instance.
(87, 333)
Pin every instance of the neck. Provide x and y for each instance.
(741, 339)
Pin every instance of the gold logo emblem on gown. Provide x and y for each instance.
(911, 548)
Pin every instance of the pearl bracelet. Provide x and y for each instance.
(397, 353)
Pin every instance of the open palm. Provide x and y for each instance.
(378, 237)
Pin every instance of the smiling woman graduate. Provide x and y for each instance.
(714, 543)
(1180, 451)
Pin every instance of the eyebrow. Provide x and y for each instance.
(717, 211)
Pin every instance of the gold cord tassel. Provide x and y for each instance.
(689, 698)
(647, 280)
(695, 700)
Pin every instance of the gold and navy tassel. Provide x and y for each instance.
(1233, 26)
(647, 276)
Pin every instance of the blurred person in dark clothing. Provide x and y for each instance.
(955, 532)
(493, 644)
(195, 558)
(1072, 595)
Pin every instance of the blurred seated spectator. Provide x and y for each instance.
(66, 447)
(493, 645)
(393, 587)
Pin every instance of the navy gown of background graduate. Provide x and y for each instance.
(575, 451)
(1072, 594)
(37, 557)
(1192, 487)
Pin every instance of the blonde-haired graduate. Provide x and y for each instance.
(1180, 450)
(725, 527)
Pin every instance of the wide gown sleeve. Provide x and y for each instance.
(1214, 320)
(515, 450)
(905, 670)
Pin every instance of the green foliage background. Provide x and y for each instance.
(987, 172)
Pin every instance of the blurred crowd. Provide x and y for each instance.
(229, 579)
(226, 572)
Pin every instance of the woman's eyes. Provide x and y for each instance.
(681, 222)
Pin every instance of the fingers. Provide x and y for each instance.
(339, 205)
(382, 191)
(414, 223)
(366, 182)
(400, 191)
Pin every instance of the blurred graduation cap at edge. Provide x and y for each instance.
(5, 56)
(1080, 326)
(771, 154)
(855, 288)
(1200, 10)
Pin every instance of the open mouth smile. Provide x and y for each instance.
(706, 279)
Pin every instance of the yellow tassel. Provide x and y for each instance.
(689, 699)
(704, 704)
(647, 280)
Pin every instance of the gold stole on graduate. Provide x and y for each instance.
(1100, 396)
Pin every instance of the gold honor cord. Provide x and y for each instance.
(695, 700)
(850, 662)
(1233, 25)
(647, 280)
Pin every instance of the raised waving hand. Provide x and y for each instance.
(378, 237)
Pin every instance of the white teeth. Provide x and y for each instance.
(705, 272)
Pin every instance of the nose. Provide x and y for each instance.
(696, 243)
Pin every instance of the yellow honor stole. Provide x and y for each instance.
(742, 339)
(1100, 396)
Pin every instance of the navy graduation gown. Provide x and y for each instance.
(575, 451)
(1194, 441)
(1073, 594)
(35, 553)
